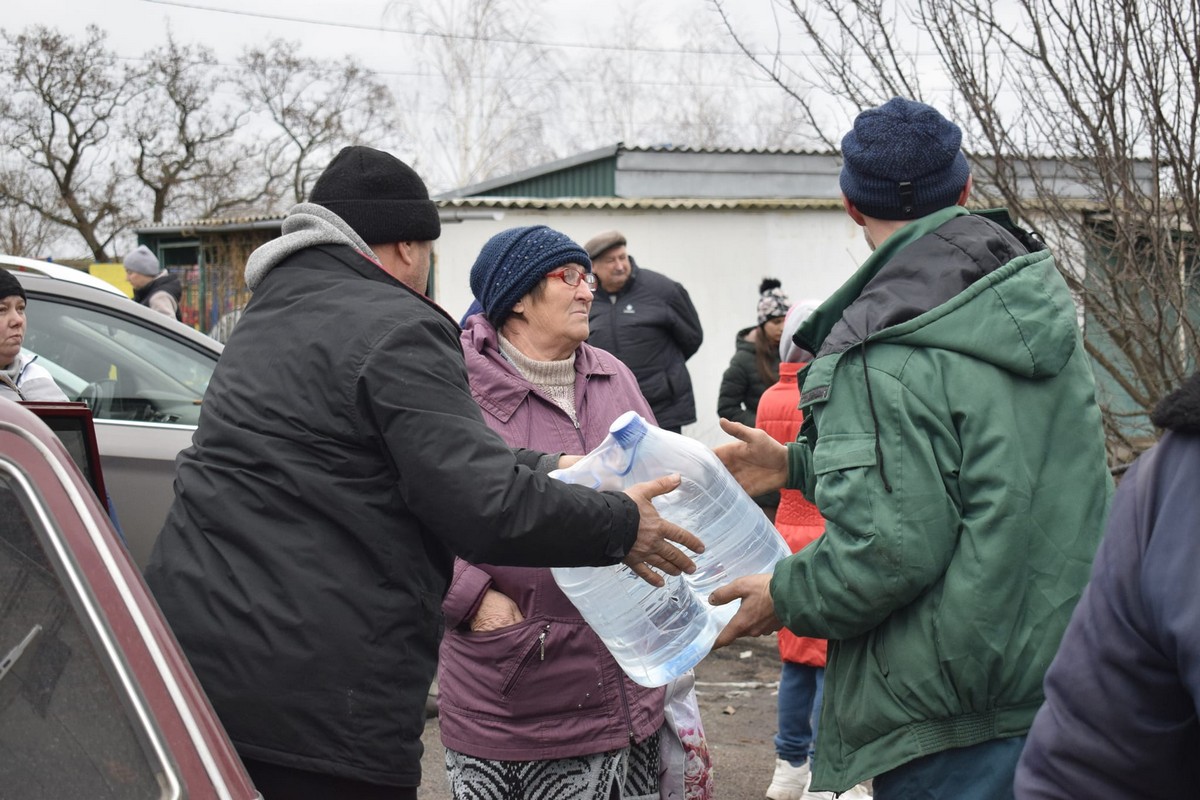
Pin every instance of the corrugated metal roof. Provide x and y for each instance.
(459, 209)
(635, 204)
(594, 178)
(594, 172)
(670, 148)
(670, 171)
(224, 224)
(267, 222)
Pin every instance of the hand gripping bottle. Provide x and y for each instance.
(657, 634)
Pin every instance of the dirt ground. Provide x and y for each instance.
(736, 687)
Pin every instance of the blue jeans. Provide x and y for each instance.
(980, 772)
(800, 691)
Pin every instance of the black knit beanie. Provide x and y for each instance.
(903, 160)
(9, 285)
(377, 195)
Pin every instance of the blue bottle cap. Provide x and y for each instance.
(628, 429)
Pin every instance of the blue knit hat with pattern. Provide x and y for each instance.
(513, 261)
(903, 160)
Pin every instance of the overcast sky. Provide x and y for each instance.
(384, 37)
(363, 28)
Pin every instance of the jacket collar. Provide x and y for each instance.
(306, 225)
(633, 273)
(498, 386)
(812, 332)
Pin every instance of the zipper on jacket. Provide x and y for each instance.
(628, 710)
(538, 648)
(579, 428)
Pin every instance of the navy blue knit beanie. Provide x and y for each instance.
(513, 261)
(903, 160)
(379, 196)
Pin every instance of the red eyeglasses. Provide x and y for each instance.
(572, 275)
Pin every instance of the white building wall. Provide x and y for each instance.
(720, 256)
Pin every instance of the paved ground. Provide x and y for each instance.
(736, 687)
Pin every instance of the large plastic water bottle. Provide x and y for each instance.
(657, 634)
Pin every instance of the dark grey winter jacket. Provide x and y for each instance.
(652, 326)
(339, 466)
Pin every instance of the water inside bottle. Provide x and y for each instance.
(658, 634)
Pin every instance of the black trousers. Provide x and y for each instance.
(283, 783)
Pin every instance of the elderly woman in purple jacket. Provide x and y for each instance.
(531, 703)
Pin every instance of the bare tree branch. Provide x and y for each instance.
(1083, 119)
(312, 110)
(62, 100)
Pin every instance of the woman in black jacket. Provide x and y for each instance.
(754, 367)
(755, 362)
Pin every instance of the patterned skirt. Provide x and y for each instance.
(630, 773)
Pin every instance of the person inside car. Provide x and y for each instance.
(21, 377)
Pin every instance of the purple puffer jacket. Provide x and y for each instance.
(545, 688)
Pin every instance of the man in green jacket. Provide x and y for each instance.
(953, 444)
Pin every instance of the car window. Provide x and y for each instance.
(66, 730)
(123, 368)
(71, 384)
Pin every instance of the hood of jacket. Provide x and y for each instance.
(957, 282)
(745, 339)
(307, 225)
(1180, 410)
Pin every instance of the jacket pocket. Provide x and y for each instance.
(840, 463)
(536, 649)
(541, 667)
(844, 451)
(655, 386)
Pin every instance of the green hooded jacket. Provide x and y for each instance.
(954, 446)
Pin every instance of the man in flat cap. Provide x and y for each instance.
(953, 444)
(339, 466)
(648, 321)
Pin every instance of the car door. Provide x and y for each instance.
(96, 699)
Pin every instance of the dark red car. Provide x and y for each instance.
(96, 698)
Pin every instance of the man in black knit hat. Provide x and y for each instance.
(339, 466)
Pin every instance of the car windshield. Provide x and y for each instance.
(125, 369)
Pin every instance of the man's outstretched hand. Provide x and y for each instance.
(653, 547)
(755, 616)
(757, 462)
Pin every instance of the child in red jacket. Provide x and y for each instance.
(803, 671)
